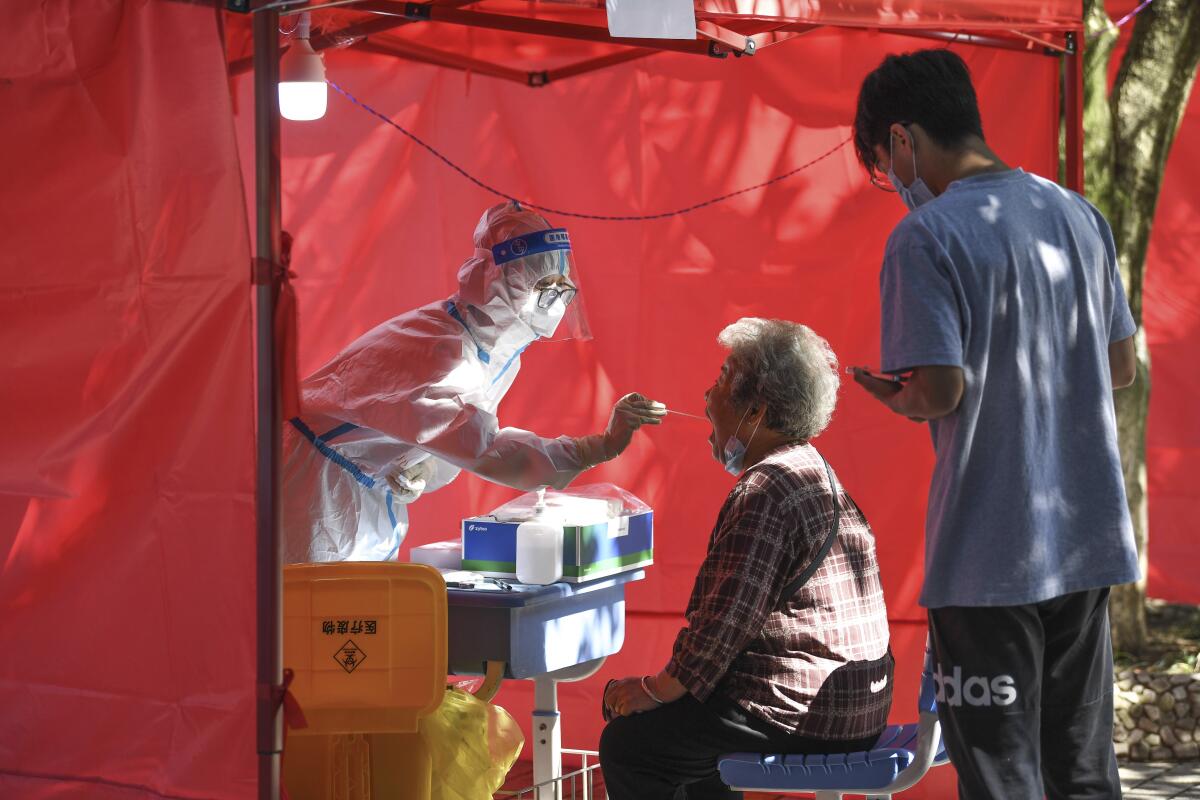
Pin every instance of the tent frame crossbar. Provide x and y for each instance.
(538, 78)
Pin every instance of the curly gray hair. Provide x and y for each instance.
(785, 367)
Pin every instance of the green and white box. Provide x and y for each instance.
(605, 529)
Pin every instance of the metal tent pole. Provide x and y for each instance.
(1073, 111)
(266, 288)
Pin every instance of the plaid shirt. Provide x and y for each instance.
(816, 665)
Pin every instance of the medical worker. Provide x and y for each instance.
(407, 406)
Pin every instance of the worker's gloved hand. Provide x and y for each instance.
(409, 483)
(630, 413)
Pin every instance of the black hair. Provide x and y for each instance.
(931, 88)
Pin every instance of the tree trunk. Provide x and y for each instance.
(1127, 604)
(1128, 135)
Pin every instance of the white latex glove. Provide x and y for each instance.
(630, 413)
(409, 483)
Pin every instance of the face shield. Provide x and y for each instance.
(540, 272)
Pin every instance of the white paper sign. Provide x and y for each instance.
(651, 19)
(618, 527)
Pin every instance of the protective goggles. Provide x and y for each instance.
(558, 291)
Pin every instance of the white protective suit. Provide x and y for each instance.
(412, 402)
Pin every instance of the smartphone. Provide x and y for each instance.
(879, 376)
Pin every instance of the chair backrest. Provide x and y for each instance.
(927, 699)
(367, 643)
(928, 751)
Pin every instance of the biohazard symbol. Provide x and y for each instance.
(349, 656)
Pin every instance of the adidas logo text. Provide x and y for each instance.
(975, 690)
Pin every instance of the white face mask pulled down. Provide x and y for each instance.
(916, 194)
(735, 451)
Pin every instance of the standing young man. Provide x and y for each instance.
(1002, 302)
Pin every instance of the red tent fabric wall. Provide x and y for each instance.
(1171, 314)
(381, 226)
(127, 474)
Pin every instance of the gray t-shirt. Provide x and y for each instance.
(1015, 279)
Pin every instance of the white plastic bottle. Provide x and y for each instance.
(539, 547)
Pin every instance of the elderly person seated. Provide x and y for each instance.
(763, 665)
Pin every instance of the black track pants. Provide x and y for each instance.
(1025, 698)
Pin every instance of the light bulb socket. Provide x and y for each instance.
(301, 64)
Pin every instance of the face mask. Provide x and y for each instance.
(544, 321)
(918, 193)
(735, 451)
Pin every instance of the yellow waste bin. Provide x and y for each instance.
(367, 644)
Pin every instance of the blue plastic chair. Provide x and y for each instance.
(901, 757)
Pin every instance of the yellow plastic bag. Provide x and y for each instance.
(472, 745)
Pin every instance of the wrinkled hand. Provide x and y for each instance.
(625, 697)
(630, 413)
(409, 483)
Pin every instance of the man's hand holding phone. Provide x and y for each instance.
(882, 385)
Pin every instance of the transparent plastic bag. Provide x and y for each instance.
(589, 504)
(472, 746)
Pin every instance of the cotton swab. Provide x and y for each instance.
(685, 414)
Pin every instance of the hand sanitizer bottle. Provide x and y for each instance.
(539, 546)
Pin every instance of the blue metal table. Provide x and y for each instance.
(547, 634)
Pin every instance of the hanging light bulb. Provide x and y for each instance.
(302, 92)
